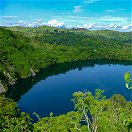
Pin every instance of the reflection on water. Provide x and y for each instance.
(52, 88)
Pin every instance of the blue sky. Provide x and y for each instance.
(70, 12)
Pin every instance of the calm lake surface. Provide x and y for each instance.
(51, 91)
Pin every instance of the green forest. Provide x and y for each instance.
(25, 51)
(92, 113)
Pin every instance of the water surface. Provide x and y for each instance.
(52, 91)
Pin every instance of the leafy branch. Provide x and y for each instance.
(128, 80)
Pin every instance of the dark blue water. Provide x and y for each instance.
(54, 93)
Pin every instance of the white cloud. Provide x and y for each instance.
(39, 20)
(80, 20)
(87, 24)
(36, 23)
(52, 22)
(55, 23)
(127, 27)
(122, 28)
(77, 9)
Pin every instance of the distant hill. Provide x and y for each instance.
(24, 51)
(75, 36)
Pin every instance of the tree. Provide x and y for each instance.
(93, 113)
(11, 119)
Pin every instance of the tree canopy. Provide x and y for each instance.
(25, 51)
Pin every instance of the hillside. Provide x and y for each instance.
(75, 36)
(24, 51)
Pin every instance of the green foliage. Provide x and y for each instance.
(62, 123)
(11, 119)
(128, 79)
(23, 49)
(93, 113)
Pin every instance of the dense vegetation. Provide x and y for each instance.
(11, 119)
(93, 113)
(24, 51)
